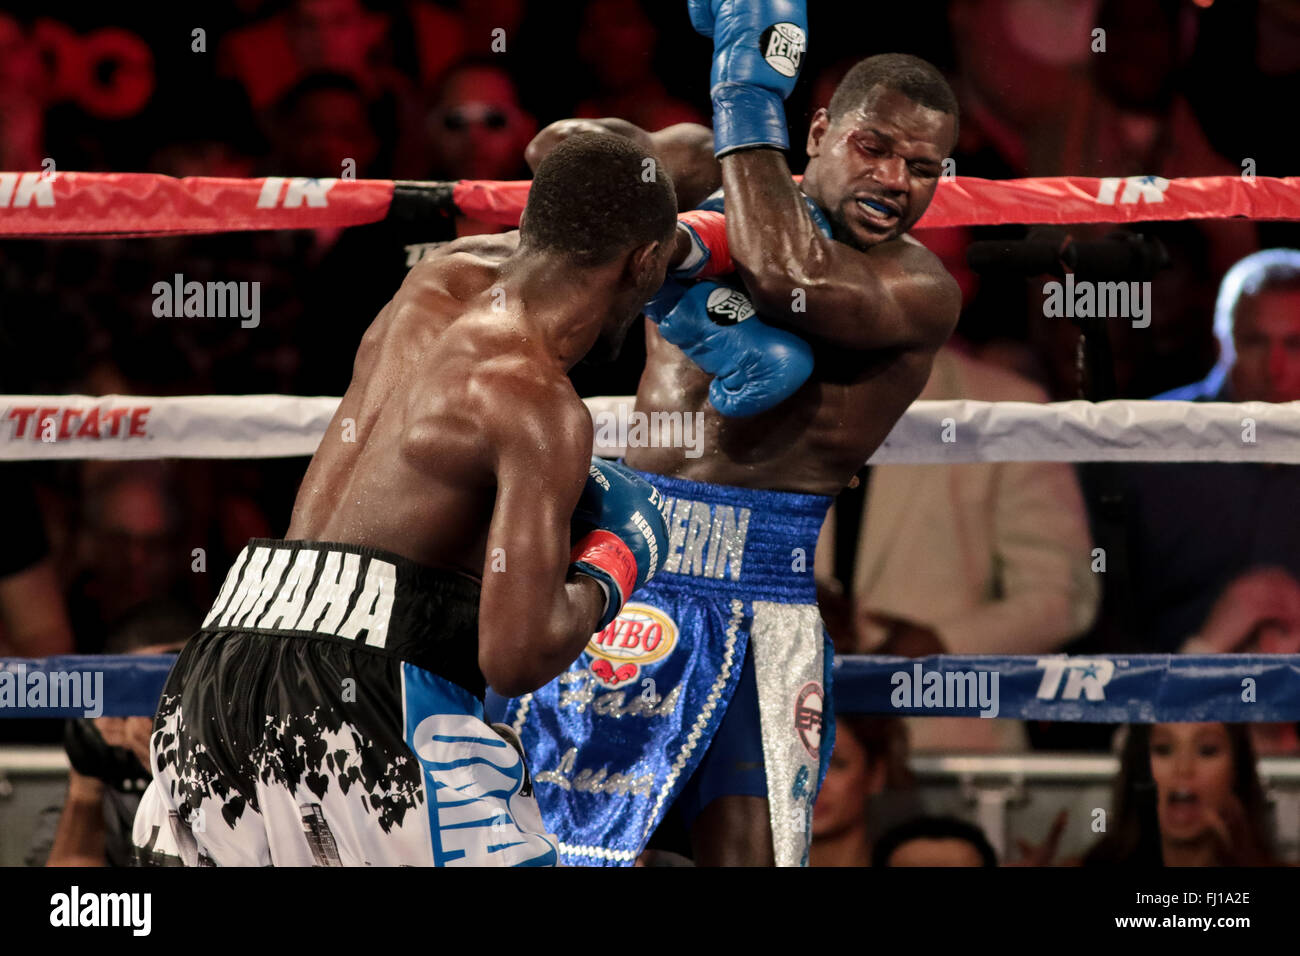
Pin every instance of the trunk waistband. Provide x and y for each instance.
(730, 539)
(367, 597)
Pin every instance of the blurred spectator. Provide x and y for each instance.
(480, 18)
(128, 552)
(476, 128)
(1194, 527)
(988, 558)
(319, 124)
(934, 841)
(33, 620)
(195, 145)
(1022, 80)
(1246, 62)
(841, 830)
(617, 41)
(337, 36)
(1177, 344)
(1038, 101)
(99, 84)
(23, 92)
(1257, 323)
(109, 759)
(1186, 795)
(1141, 123)
(1257, 613)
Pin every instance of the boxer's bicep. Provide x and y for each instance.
(893, 295)
(526, 610)
(887, 298)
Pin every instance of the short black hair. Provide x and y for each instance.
(932, 828)
(916, 79)
(596, 196)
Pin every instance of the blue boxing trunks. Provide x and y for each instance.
(640, 721)
(329, 712)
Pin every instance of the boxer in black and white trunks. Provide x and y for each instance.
(330, 709)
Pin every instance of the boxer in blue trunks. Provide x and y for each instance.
(711, 692)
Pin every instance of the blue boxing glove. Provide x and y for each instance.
(754, 366)
(621, 535)
(758, 46)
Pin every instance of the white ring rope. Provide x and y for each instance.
(45, 427)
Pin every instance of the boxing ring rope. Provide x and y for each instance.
(1106, 689)
(123, 427)
(120, 205)
(1103, 689)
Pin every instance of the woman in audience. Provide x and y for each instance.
(1186, 795)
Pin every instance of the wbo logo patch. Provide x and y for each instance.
(640, 635)
(808, 717)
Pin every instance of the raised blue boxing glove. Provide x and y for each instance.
(621, 535)
(754, 366)
(758, 46)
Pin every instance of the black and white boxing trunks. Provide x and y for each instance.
(329, 712)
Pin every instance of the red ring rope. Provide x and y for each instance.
(144, 204)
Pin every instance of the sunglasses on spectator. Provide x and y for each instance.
(460, 119)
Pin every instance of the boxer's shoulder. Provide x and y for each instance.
(520, 402)
(924, 267)
(489, 247)
(462, 267)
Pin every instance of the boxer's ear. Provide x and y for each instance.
(644, 265)
(821, 122)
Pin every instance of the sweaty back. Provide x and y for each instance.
(404, 465)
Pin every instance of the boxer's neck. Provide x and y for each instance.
(569, 304)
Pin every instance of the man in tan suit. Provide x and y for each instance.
(984, 558)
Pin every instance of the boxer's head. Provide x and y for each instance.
(606, 209)
(876, 151)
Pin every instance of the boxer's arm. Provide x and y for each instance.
(534, 615)
(686, 150)
(895, 295)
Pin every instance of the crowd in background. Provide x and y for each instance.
(989, 558)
